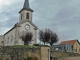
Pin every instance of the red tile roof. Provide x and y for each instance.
(72, 42)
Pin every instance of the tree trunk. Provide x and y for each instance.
(25, 43)
(44, 43)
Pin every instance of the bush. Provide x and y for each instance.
(36, 44)
(65, 50)
(31, 58)
(25, 59)
(35, 58)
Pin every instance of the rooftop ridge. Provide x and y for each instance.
(70, 40)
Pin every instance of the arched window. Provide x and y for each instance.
(27, 15)
(11, 37)
(21, 16)
(8, 40)
(5, 41)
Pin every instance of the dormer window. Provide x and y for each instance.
(27, 15)
(21, 16)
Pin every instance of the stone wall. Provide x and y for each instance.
(61, 55)
(20, 53)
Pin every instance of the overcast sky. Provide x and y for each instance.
(61, 16)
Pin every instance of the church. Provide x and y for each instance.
(12, 36)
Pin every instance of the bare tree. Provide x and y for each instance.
(47, 36)
(26, 37)
(44, 35)
(53, 38)
(41, 36)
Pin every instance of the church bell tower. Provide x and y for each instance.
(26, 24)
(25, 12)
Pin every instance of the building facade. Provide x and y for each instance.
(12, 37)
(75, 45)
(68, 46)
(63, 47)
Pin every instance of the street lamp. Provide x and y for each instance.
(57, 52)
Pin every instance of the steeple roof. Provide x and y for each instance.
(26, 6)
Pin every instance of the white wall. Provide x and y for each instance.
(24, 15)
(23, 28)
(12, 32)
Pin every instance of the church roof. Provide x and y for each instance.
(17, 24)
(72, 42)
(29, 22)
(26, 6)
(10, 29)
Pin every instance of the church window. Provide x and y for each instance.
(11, 37)
(8, 40)
(27, 15)
(21, 16)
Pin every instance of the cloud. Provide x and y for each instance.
(62, 17)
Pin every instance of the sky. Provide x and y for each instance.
(61, 16)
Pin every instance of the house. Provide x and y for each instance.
(75, 45)
(63, 47)
(69, 46)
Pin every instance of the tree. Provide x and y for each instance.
(43, 36)
(53, 38)
(26, 37)
(48, 36)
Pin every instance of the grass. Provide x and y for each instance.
(22, 46)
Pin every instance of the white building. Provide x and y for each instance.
(25, 24)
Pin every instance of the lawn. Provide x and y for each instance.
(34, 45)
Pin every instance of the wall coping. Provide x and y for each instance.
(44, 46)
